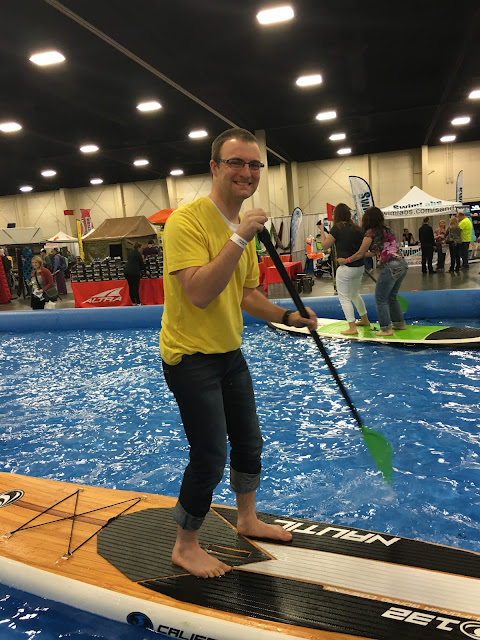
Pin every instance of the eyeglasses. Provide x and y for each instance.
(238, 163)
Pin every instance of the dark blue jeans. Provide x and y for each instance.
(214, 393)
(390, 277)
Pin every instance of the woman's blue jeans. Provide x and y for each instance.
(391, 276)
(214, 393)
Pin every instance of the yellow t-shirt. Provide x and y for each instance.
(194, 235)
(466, 229)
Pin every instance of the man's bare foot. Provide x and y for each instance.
(349, 332)
(255, 528)
(189, 555)
(385, 333)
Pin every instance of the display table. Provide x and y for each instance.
(114, 293)
(272, 275)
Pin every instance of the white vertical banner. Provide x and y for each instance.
(459, 196)
(362, 195)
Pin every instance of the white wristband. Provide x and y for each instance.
(241, 242)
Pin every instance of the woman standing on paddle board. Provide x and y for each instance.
(380, 242)
(347, 238)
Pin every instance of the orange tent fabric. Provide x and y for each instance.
(161, 216)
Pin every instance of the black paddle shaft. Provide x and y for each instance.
(264, 236)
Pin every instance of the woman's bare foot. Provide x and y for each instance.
(385, 333)
(255, 528)
(364, 321)
(349, 332)
(188, 554)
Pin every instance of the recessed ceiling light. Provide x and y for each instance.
(96, 181)
(474, 95)
(141, 162)
(447, 138)
(89, 148)
(47, 57)
(309, 81)
(8, 127)
(201, 133)
(153, 105)
(345, 151)
(337, 136)
(48, 173)
(176, 172)
(461, 120)
(276, 14)
(26, 188)
(326, 115)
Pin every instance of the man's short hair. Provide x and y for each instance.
(240, 134)
(426, 219)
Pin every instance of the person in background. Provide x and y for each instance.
(427, 242)
(59, 266)
(41, 280)
(347, 238)
(210, 275)
(46, 259)
(26, 270)
(380, 241)
(71, 262)
(439, 235)
(5, 289)
(7, 267)
(133, 270)
(453, 238)
(408, 238)
(150, 250)
(466, 227)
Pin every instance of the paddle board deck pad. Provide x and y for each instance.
(108, 552)
(415, 335)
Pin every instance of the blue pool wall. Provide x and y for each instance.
(428, 305)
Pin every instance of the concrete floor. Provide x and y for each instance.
(414, 281)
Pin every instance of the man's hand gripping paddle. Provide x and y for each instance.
(379, 447)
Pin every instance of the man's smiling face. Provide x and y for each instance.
(237, 184)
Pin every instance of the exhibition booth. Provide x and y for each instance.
(408, 213)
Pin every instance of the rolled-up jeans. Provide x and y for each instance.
(348, 281)
(390, 278)
(214, 393)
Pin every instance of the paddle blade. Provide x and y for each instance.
(380, 450)
(403, 302)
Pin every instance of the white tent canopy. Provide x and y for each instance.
(62, 239)
(21, 235)
(418, 204)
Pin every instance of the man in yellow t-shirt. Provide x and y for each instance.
(465, 225)
(210, 275)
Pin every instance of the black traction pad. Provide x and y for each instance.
(321, 536)
(311, 606)
(454, 333)
(140, 544)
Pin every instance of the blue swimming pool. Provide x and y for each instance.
(91, 406)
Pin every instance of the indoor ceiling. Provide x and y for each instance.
(396, 73)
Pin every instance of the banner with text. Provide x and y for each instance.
(362, 195)
(87, 224)
(459, 197)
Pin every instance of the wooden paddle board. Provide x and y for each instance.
(414, 335)
(108, 552)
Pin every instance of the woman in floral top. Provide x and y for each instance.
(380, 242)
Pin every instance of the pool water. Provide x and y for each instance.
(92, 407)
